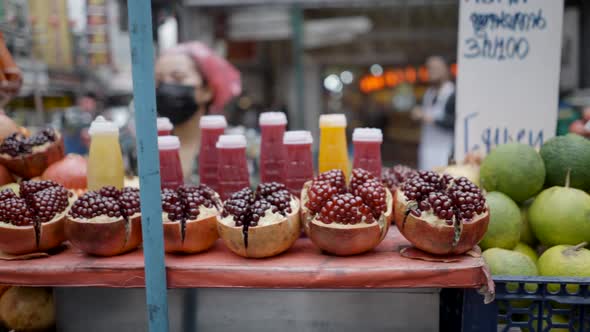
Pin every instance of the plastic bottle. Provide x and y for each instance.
(232, 167)
(212, 126)
(105, 160)
(333, 148)
(164, 126)
(170, 167)
(272, 150)
(298, 167)
(367, 150)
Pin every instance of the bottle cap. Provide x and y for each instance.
(231, 142)
(164, 124)
(297, 137)
(213, 121)
(101, 126)
(332, 120)
(168, 143)
(272, 118)
(367, 135)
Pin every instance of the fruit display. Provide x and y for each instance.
(509, 262)
(105, 222)
(514, 169)
(563, 154)
(189, 215)
(392, 177)
(32, 220)
(441, 214)
(470, 171)
(561, 215)
(565, 261)
(29, 156)
(260, 224)
(505, 222)
(346, 220)
(526, 250)
(526, 233)
(70, 172)
(27, 309)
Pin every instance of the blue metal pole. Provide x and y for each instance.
(142, 59)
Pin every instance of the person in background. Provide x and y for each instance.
(192, 81)
(76, 121)
(437, 116)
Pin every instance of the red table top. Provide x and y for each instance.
(303, 266)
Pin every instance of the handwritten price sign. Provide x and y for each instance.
(507, 84)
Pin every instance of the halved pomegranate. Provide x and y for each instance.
(28, 157)
(106, 222)
(33, 220)
(393, 177)
(441, 214)
(260, 224)
(5, 176)
(346, 220)
(189, 216)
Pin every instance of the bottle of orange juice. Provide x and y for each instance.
(105, 160)
(333, 148)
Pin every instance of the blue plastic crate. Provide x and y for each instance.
(544, 304)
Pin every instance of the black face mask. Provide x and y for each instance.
(176, 102)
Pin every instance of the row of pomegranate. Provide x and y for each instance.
(436, 213)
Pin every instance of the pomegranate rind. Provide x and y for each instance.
(34, 164)
(341, 240)
(438, 238)
(5, 176)
(263, 241)
(17, 240)
(21, 240)
(200, 235)
(104, 238)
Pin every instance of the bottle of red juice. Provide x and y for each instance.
(212, 126)
(367, 149)
(232, 166)
(170, 168)
(272, 150)
(298, 167)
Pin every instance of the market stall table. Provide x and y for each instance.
(303, 266)
(316, 292)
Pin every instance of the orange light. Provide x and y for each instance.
(454, 69)
(372, 83)
(410, 74)
(423, 74)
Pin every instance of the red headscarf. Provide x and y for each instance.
(222, 77)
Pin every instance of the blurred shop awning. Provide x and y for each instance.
(318, 3)
(275, 24)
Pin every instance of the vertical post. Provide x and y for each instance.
(297, 40)
(142, 59)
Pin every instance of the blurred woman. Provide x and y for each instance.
(192, 81)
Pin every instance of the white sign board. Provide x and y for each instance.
(508, 73)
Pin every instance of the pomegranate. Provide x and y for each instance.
(28, 157)
(260, 224)
(33, 220)
(70, 172)
(5, 176)
(392, 177)
(189, 216)
(106, 222)
(441, 214)
(7, 126)
(27, 309)
(345, 220)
